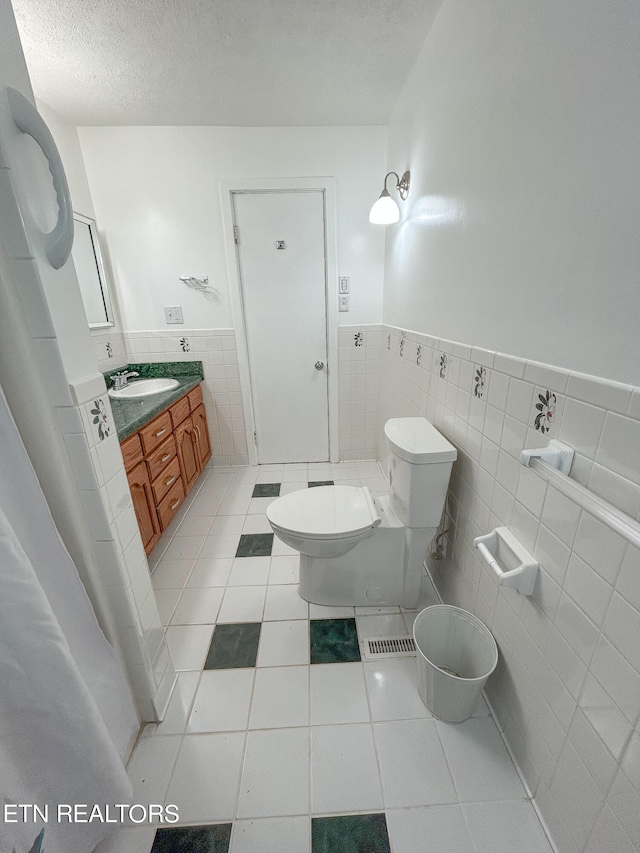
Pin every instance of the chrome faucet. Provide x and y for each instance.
(120, 379)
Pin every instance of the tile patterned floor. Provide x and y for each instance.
(279, 738)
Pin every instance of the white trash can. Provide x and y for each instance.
(456, 654)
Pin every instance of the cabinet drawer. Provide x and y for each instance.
(180, 411)
(155, 432)
(161, 457)
(170, 504)
(195, 397)
(131, 452)
(165, 480)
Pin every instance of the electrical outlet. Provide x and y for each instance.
(343, 304)
(343, 284)
(173, 314)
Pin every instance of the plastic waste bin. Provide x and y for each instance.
(456, 654)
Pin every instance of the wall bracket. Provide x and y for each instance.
(556, 454)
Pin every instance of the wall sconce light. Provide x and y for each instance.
(385, 210)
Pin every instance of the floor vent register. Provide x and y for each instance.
(388, 647)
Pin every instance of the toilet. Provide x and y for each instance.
(356, 549)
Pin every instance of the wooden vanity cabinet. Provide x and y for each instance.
(199, 419)
(144, 505)
(170, 504)
(203, 447)
(156, 432)
(187, 454)
(161, 457)
(163, 461)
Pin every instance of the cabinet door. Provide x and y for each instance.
(144, 506)
(187, 453)
(202, 435)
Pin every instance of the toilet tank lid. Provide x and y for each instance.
(418, 441)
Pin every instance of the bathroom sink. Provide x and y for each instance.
(144, 388)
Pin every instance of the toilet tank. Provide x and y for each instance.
(419, 465)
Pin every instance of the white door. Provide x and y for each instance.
(281, 259)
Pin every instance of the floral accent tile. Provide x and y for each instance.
(109, 349)
(101, 419)
(358, 339)
(185, 346)
(419, 355)
(547, 411)
(444, 364)
(389, 342)
(479, 381)
(401, 347)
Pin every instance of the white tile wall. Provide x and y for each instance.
(567, 689)
(216, 348)
(359, 372)
(95, 456)
(359, 367)
(109, 348)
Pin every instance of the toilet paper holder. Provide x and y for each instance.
(512, 564)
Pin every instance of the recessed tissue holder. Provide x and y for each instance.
(513, 565)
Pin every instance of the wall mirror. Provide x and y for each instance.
(90, 271)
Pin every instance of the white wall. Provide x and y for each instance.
(518, 245)
(45, 347)
(32, 183)
(30, 357)
(157, 201)
(108, 343)
(66, 137)
(566, 692)
(520, 125)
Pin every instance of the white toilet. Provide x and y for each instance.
(359, 550)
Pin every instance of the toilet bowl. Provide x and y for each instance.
(324, 521)
(356, 549)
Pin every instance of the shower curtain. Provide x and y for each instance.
(62, 689)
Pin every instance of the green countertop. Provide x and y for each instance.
(131, 415)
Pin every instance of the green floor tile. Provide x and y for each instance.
(234, 646)
(320, 483)
(193, 839)
(266, 490)
(334, 641)
(355, 833)
(255, 545)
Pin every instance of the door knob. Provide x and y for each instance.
(319, 365)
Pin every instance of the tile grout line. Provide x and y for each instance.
(370, 722)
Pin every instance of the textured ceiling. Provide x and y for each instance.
(222, 62)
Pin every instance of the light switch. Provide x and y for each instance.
(173, 314)
(343, 284)
(343, 304)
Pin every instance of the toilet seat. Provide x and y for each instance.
(325, 512)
